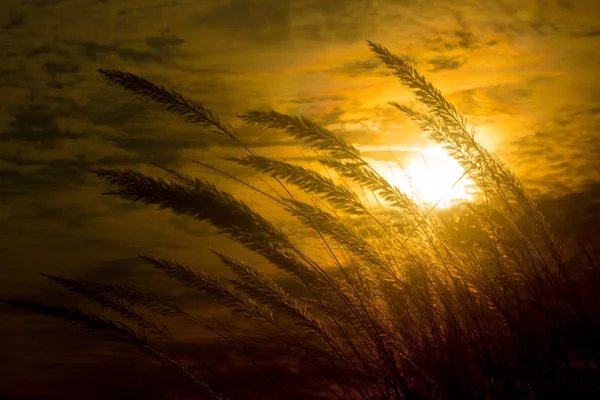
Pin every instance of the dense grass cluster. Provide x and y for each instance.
(418, 302)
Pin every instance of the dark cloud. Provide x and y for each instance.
(44, 156)
(367, 67)
(356, 68)
(139, 56)
(15, 183)
(566, 143)
(466, 39)
(315, 99)
(45, 49)
(162, 42)
(161, 150)
(56, 68)
(332, 116)
(92, 50)
(35, 123)
(591, 32)
(442, 63)
(126, 270)
(462, 40)
(33, 138)
(73, 217)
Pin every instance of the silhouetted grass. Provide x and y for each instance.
(473, 302)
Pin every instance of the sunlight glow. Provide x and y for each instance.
(431, 176)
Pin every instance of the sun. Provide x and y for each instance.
(431, 176)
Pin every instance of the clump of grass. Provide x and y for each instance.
(474, 302)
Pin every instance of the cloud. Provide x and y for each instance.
(56, 68)
(565, 145)
(356, 68)
(163, 42)
(303, 57)
(82, 151)
(441, 63)
(315, 99)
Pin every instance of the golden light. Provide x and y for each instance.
(430, 176)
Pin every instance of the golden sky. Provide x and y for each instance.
(524, 72)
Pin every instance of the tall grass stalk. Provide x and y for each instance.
(417, 302)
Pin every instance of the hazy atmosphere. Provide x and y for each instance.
(525, 73)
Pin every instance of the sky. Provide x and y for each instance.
(524, 72)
